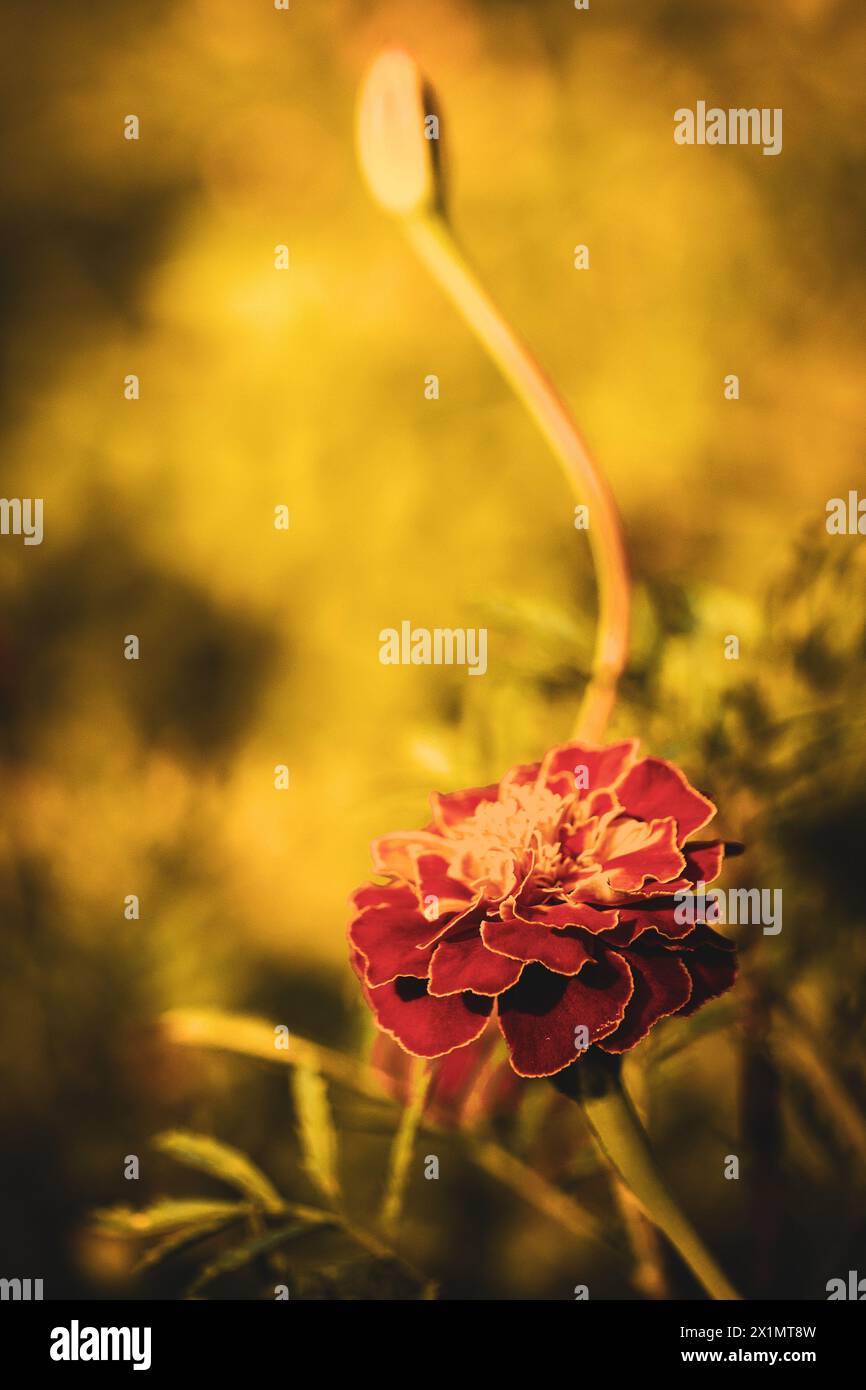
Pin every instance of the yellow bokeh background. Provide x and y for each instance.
(305, 387)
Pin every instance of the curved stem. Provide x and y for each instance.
(434, 243)
(614, 1122)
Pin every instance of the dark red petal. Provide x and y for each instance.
(560, 950)
(453, 807)
(394, 941)
(639, 918)
(704, 861)
(594, 919)
(425, 1026)
(704, 935)
(603, 766)
(434, 881)
(654, 788)
(378, 895)
(465, 963)
(662, 985)
(539, 1016)
(712, 971)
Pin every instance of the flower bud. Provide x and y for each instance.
(398, 143)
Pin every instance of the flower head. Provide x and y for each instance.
(547, 901)
(399, 154)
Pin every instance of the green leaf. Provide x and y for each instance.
(167, 1214)
(246, 1036)
(316, 1129)
(250, 1250)
(221, 1161)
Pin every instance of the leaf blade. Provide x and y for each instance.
(166, 1215)
(221, 1161)
(316, 1129)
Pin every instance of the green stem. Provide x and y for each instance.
(434, 243)
(595, 1083)
(799, 1056)
(403, 1147)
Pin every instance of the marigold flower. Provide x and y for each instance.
(547, 901)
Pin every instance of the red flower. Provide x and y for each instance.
(546, 899)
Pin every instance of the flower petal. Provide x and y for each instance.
(713, 972)
(704, 860)
(654, 788)
(660, 917)
(466, 963)
(394, 941)
(633, 851)
(451, 808)
(378, 894)
(424, 1025)
(603, 766)
(703, 936)
(662, 985)
(398, 853)
(518, 776)
(434, 882)
(564, 914)
(540, 1015)
(560, 950)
